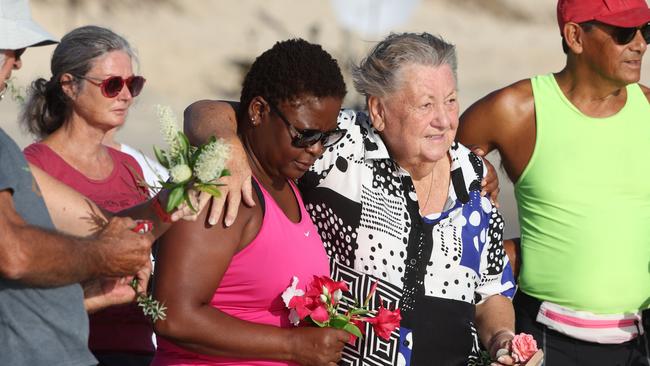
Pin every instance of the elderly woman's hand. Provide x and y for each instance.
(499, 348)
(489, 184)
(236, 186)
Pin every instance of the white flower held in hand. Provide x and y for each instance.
(180, 173)
(212, 161)
(287, 295)
(190, 167)
(169, 130)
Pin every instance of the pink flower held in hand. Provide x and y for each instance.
(320, 314)
(327, 286)
(385, 322)
(523, 347)
(301, 305)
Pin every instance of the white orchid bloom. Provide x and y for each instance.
(292, 291)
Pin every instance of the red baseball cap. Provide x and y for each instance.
(620, 13)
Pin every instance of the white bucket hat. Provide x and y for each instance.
(17, 29)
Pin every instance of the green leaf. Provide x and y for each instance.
(185, 143)
(353, 329)
(359, 311)
(186, 195)
(213, 184)
(339, 322)
(322, 325)
(195, 156)
(161, 157)
(175, 198)
(170, 185)
(210, 189)
(225, 173)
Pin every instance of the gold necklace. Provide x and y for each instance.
(428, 192)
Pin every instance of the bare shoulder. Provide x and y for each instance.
(645, 91)
(508, 102)
(497, 115)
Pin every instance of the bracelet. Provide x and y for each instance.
(496, 337)
(163, 215)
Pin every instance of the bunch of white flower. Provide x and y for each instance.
(212, 161)
(190, 167)
(180, 173)
(169, 129)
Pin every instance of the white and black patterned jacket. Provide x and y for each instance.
(434, 268)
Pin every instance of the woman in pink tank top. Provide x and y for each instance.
(222, 285)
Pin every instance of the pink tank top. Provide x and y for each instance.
(256, 277)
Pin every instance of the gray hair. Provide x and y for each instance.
(48, 107)
(378, 73)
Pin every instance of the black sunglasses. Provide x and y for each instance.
(623, 35)
(112, 86)
(305, 138)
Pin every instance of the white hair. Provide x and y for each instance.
(377, 74)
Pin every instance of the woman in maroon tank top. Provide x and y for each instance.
(90, 92)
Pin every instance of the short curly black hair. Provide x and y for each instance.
(291, 69)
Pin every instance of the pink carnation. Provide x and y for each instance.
(523, 347)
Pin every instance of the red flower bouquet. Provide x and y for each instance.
(319, 305)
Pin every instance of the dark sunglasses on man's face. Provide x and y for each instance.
(305, 138)
(623, 36)
(112, 86)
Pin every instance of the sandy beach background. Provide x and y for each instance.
(200, 49)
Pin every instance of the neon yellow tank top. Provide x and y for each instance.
(584, 204)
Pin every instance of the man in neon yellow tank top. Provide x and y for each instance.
(574, 143)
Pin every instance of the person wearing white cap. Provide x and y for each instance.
(17, 32)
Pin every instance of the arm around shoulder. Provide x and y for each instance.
(207, 118)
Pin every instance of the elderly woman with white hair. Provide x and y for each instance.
(398, 201)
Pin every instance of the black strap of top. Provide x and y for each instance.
(260, 196)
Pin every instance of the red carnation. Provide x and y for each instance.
(385, 322)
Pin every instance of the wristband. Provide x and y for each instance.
(496, 340)
(163, 215)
